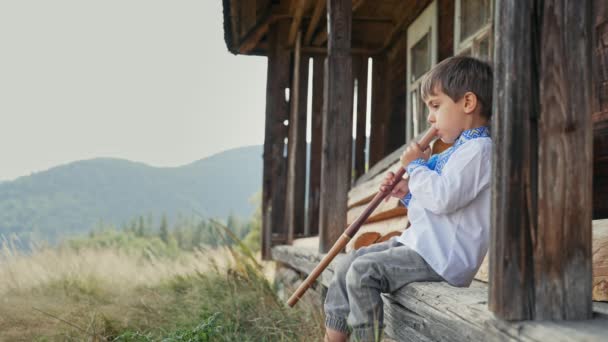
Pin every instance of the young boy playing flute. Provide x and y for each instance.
(448, 201)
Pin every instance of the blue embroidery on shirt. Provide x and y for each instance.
(442, 158)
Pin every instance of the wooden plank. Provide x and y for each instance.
(441, 312)
(562, 249)
(406, 13)
(600, 260)
(314, 189)
(600, 111)
(304, 260)
(314, 21)
(337, 125)
(300, 6)
(296, 175)
(322, 36)
(248, 12)
(514, 164)
(436, 311)
(253, 37)
(383, 227)
(277, 111)
(360, 72)
(385, 210)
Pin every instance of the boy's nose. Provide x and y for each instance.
(431, 118)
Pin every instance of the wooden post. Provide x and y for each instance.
(563, 243)
(540, 247)
(296, 176)
(600, 111)
(337, 126)
(381, 95)
(360, 72)
(316, 140)
(273, 194)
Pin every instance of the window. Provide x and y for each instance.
(473, 29)
(421, 56)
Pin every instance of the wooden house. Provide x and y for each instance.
(363, 61)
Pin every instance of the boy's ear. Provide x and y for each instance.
(469, 102)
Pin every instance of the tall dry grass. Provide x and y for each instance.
(108, 294)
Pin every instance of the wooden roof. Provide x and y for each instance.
(375, 24)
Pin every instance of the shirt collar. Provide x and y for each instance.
(473, 133)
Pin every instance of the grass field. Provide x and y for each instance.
(109, 294)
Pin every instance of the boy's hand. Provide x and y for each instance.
(413, 152)
(399, 191)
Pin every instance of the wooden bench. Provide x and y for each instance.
(440, 312)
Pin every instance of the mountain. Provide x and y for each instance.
(71, 199)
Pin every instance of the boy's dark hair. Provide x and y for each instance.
(458, 75)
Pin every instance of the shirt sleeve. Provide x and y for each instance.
(464, 177)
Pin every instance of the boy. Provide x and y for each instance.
(448, 201)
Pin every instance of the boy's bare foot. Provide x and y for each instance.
(335, 336)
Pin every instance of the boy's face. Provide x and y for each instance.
(448, 117)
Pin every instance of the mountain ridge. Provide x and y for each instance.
(71, 198)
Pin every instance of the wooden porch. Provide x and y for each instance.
(546, 261)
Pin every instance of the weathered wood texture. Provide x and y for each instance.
(514, 188)
(381, 96)
(296, 175)
(542, 204)
(387, 209)
(360, 74)
(316, 131)
(274, 173)
(445, 23)
(600, 111)
(599, 260)
(562, 250)
(439, 312)
(382, 227)
(336, 164)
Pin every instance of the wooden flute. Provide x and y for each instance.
(348, 234)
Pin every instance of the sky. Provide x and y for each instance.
(144, 80)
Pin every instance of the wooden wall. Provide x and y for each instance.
(600, 111)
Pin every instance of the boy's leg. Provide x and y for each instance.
(336, 302)
(381, 272)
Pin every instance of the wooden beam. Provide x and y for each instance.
(360, 73)
(514, 178)
(248, 12)
(405, 18)
(321, 37)
(337, 128)
(314, 21)
(540, 249)
(296, 175)
(313, 50)
(298, 10)
(563, 243)
(273, 194)
(316, 143)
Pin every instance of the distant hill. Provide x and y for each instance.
(71, 199)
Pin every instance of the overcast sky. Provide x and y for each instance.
(145, 80)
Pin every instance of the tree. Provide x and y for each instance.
(164, 230)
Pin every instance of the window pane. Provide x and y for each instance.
(473, 15)
(421, 57)
(419, 113)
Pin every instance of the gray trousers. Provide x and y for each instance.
(353, 298)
